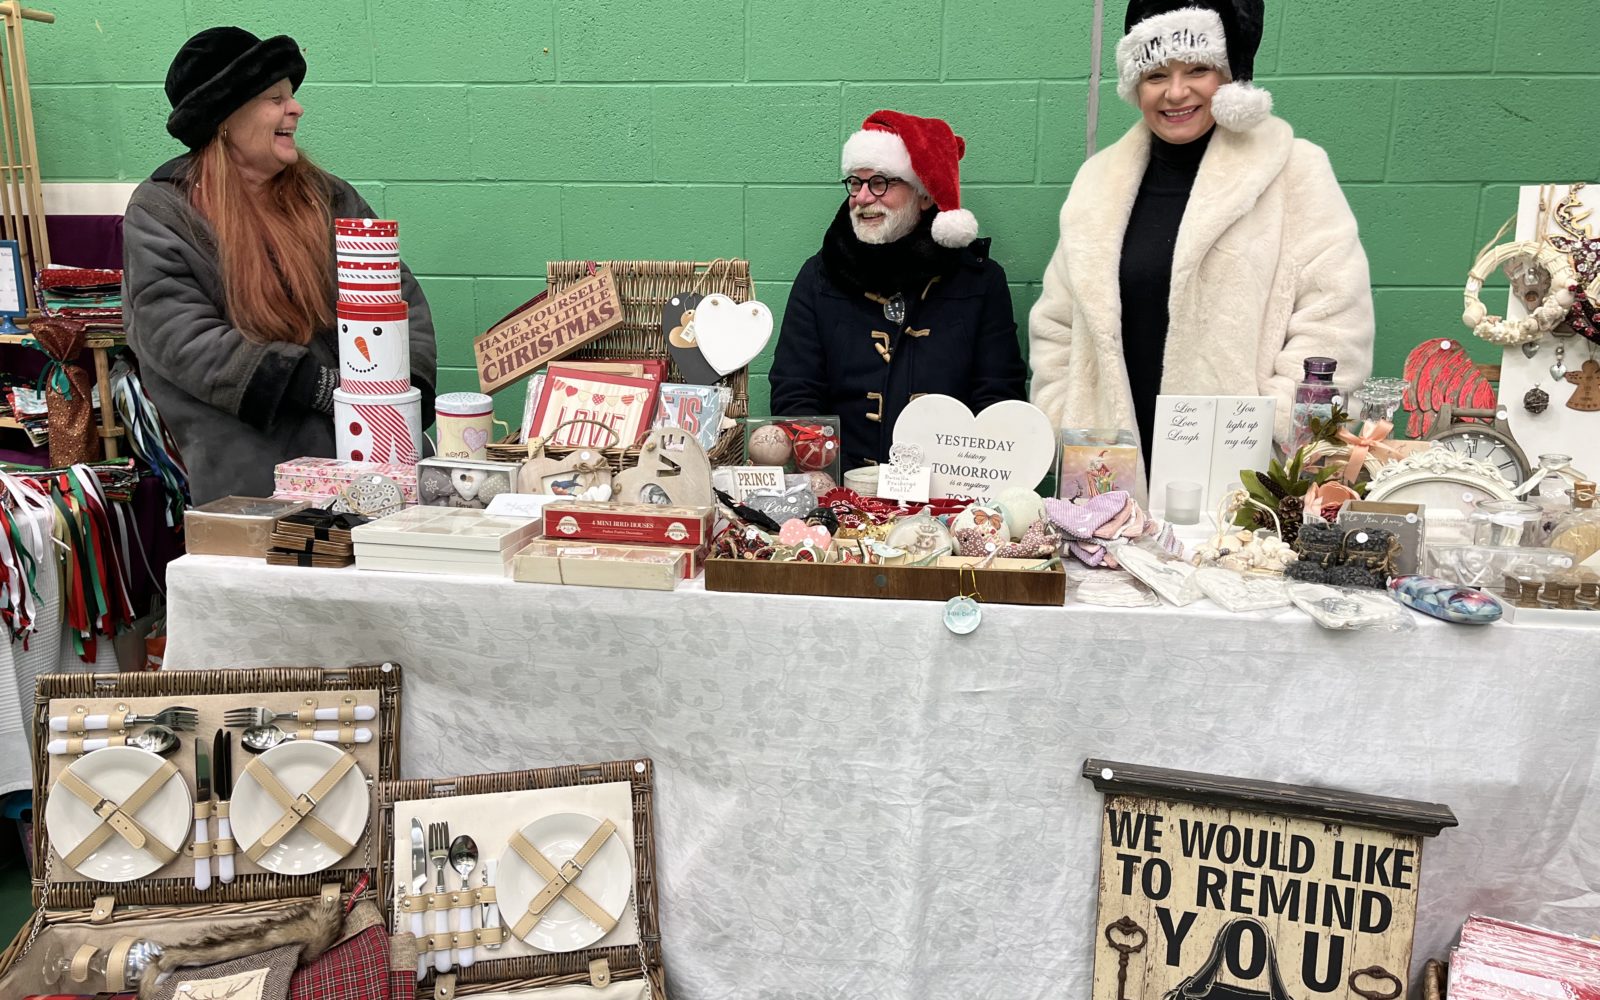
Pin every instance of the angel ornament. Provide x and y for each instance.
(1587, 397)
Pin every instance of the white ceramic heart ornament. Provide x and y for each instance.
(731, 334)
(1011, 443)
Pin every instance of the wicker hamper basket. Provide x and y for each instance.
(644, 286)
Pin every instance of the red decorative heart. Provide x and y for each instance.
(572, 390)
(627, 400)
(599, 398)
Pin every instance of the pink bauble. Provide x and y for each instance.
(820, 483)
(770, 445)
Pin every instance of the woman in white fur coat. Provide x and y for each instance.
(1196, 259)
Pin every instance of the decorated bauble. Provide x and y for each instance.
(821, 482)
(1021, 507)
(433, 483)
(984, 518)
(816, 446)
(770, 445)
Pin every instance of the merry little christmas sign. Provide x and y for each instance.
(546, 328)
(1216, 888)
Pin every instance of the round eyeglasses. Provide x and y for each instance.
(877, 184)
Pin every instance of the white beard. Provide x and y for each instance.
(897, 222)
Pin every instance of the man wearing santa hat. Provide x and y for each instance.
(902, 300)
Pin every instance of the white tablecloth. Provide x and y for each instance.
(853, 802)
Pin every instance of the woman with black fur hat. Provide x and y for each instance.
(229, 270)
(1207, 252)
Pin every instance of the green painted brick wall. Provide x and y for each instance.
(505, 133)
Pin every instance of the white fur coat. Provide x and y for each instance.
(1268, 271)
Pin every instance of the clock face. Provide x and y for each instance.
(1485, 448)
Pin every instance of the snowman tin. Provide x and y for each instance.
(378, 428)
(374, 349)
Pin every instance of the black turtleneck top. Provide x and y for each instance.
(1146, 269)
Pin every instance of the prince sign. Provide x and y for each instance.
(1224, 889)
(546, 328)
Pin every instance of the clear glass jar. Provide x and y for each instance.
(1579, 532)
(1505, 523)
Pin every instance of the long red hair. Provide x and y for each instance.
(277, 247)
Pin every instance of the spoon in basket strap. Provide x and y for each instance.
(156, 739)
(258, 739)
(464, 858)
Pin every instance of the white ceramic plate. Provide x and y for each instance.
(116, 773)
(607, 879)
(299, 764)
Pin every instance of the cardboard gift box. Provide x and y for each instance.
(652, 524)
(563, 899)
(442, 540)
(1095, 461)
(92, 888)
(236, 526)
(605, 564)
(322, 478)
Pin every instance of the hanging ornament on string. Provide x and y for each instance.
(962, 615)
(1536, 400)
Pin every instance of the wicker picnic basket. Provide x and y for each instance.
(166, 906)
(644, 286)
(629, 782)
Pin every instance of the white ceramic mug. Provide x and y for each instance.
(464, 423)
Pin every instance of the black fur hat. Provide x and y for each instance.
(217, 71)
(1220, 33)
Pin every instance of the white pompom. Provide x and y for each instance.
(955, 229)
(1240, 107)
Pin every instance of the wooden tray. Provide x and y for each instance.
(1046, 588)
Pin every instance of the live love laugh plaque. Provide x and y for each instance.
(1216, 888)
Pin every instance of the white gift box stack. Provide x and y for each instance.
(377, 415)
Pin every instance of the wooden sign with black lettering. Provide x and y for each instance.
(546, 328)
(1217, 888)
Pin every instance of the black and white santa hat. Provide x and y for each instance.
(1220, 33)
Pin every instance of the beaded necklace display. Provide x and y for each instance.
(1583, 250)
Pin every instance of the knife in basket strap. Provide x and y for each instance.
(119, 818)
(298, 809)
(562, 882)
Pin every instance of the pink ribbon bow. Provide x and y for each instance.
(1370, 441)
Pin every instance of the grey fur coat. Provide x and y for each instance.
(223, 396)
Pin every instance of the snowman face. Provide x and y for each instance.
(373, 350)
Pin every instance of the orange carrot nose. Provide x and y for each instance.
(361, 345)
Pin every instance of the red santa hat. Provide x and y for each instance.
(924, 152)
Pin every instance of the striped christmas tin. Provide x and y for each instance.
(378, 428)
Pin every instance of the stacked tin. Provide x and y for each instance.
(377, 414)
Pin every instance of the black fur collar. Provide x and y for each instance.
(905, 266)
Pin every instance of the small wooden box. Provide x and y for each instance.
(896, 583)
(1408, 521)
